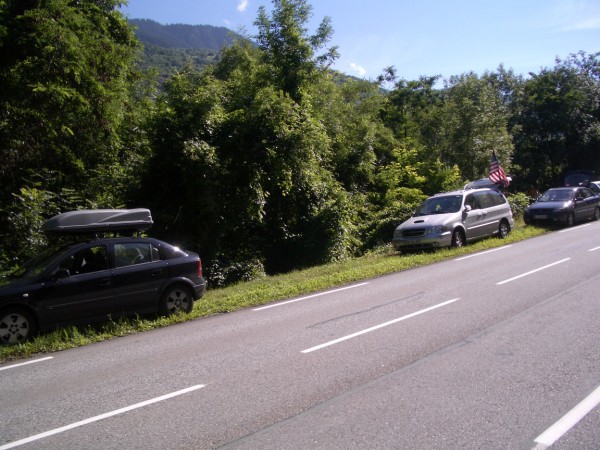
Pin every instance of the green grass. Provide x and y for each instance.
(259, 292)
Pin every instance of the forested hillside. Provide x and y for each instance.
(262, 160)
(205, 37)
(170, 47)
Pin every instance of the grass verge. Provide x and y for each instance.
(259, 292)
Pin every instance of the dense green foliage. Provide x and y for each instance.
(265, 160)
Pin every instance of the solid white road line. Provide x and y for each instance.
(483, 253)
(593, 249)
(97, 418)
(33, 361)
(533, 271)
(376, 327)
(566, 230)
(556, 431)
(309, 296)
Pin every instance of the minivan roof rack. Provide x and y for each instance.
(484, 183)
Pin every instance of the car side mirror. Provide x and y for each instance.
(467, 208)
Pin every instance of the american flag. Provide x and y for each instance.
(497, 174)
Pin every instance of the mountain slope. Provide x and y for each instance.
(182, 36)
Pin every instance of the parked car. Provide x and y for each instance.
(595, 187)
(563, 206)
(454, 219)
(93, 278)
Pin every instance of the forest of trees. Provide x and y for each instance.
(266, 160)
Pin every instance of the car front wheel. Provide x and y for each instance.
(176, 299)
(596, 214)
(570, 220)
(458, 238)
(16, 326)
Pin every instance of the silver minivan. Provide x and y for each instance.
(455, 218)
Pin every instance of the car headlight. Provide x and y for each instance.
(438, 229)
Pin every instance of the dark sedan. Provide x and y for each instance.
(564, 206)
(91, 280)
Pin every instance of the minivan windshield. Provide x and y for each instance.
(440, 205)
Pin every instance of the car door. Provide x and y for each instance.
(474, 219)
(139, 275)
(491, 211)
(498, 210)
(584, 204)
(82, 287)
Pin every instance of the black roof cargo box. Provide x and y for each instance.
(99, 221)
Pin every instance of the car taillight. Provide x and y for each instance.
(199, 267)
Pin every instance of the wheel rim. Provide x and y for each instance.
(571, 220)
(597, 214)
(503, 230)
(458, 241)
(178, 300)
(14, 328)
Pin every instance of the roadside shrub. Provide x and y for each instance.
(222, 272)
(518, 202)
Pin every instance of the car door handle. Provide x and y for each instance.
(156, 273)
(104, 282)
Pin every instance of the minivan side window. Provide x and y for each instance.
(471, 201)
(484, 199)
(490, 198)
(498, 198)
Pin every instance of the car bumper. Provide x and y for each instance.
(561, 217)
(431, 240)
(199, 289)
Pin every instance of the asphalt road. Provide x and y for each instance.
(496, 350)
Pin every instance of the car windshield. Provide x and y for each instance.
(440, 205)
(558, 195)
(37, 264)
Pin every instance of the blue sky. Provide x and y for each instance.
(419, 37)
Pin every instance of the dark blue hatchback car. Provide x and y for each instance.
(93, 278)
(564, 206)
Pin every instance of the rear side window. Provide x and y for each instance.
(130, 253)
(490, 198)
(170, 252)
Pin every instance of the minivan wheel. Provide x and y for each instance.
(503, 229)
(16, 326)
(176, 299)
(458, 238)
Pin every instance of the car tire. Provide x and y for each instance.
(458, 238)
(16, 326)
(596, 215)
(571, 220)
(503, 229)
(176, 299)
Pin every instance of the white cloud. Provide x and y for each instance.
(358, 69)
(242, 5)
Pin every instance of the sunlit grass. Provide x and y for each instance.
(259, 292)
